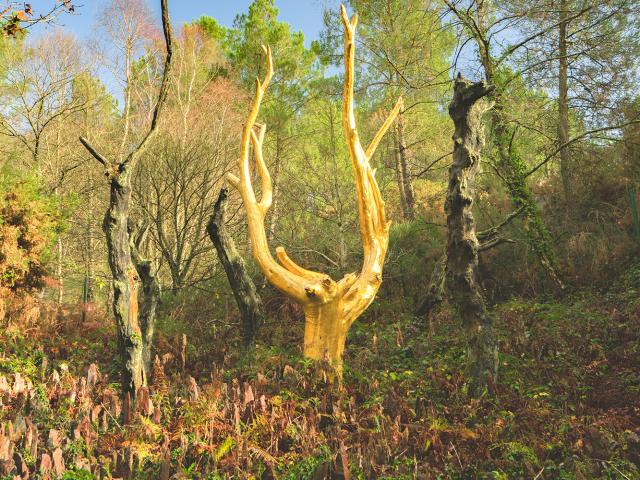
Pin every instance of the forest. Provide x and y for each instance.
(405, 248)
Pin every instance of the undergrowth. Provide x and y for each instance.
(565, 405)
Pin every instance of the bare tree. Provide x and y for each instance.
(125, 275)
(38, 95)
(242, 286)
(41, 101)
(175, 185)
(466, 111)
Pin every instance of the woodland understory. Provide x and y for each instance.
(406, 249)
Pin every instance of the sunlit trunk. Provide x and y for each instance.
(330, 307)
(125, 284)
(325, 333)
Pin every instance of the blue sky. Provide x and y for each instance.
(305, 15)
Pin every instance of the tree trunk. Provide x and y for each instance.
(513, 168)
(399, 177)
(3, 308)
(275, 180)
(59, 272)
(464, 290)
(563, 104)
(125, 284)
(125, 276)
(435, 290)
(325, 333)
(150, 297)
(242, 286)
(405, 175)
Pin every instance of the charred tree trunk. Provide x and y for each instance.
(513, 168)
(464, 290)
(125, 283)
(242, 286)
(148, 297)
(488, 239)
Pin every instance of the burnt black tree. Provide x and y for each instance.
(126, 282)
(149, 296)
(242, 286)
(463, 287)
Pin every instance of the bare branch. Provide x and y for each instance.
(385, 126)
(105, 163)
(493, 231)
(293, 267)
(575, 139)
(494, 243)
(164, 87)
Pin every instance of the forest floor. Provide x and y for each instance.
(566, 404)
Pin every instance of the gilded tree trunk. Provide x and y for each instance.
(464, 290)
(125, 284)
(242, 286)
(325, 332)
(330, 307)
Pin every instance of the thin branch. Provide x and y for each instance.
(441, 157)
(383, 129)
(494, 243)
(105, 163)
(575, 139)
(164, 86)
(490, 232)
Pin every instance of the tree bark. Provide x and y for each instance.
(149, 296)
(325, 332)
(125, 283)
(405, 177)
(275, 178)
(435, 290)
(512, 167)
(400, 176)
(563, 104)
(463, 286)
(59, 275)
(242, 286)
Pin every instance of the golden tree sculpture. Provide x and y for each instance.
(330, 307)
